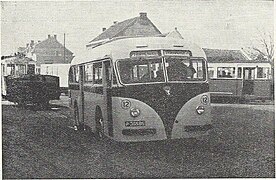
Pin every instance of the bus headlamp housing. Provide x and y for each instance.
(200, 110)
(134, 112)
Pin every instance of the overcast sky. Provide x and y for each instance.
(211, 24)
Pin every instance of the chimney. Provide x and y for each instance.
(115, 22)
(55, 36)
(39, 41)
(143, 15)
(49, 36)
(32, 42)
(27, 44)
(104, 29)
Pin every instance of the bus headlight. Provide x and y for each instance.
(200, 110)
(134, 112)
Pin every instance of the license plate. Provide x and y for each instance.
(134, 123)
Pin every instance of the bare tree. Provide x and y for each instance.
(263, 50)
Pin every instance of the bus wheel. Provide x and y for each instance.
(99, 126)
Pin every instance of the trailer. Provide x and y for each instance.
(60, 70)
(32, 89)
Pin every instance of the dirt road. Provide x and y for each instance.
(41, 144)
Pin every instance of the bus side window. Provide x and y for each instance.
(77, 74)
(239, 72)
(97, 73)
(108, 74)
(88, 73)
(73, 74)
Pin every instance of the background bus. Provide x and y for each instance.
(240, 81)
(141, 89)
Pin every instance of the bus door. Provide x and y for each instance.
(81, 94)
(107, 93)
(248, 80)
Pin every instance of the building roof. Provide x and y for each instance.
(118, 27)
(17, 60)
(51, 42)
(173, 34)
(225, 56)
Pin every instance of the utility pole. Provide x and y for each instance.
(64, 49)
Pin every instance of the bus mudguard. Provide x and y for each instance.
(136, 121)
(194, 118)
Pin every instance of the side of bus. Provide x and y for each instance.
(90, 99)
(244, 81)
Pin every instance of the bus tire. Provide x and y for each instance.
(99, 125)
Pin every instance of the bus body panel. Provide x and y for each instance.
(188, 117)
(226, 86)
(121, 116)
(262, 88)
(250, 80)
(91, 102)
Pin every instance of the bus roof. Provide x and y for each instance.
(121, 48)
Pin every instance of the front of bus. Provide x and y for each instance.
(164, 95)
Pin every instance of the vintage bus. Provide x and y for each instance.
(141, 89)
(240, 82)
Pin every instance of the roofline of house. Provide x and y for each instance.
(104, 41)
(245, 54)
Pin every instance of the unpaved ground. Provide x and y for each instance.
(39, 144)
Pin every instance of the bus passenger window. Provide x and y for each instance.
(97, 73)
(77, 74)
(73, 74)
(211, 72)
(226, 72)
(262, 72)
(88, 73)
(239, 72)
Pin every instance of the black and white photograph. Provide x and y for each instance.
(147, 89)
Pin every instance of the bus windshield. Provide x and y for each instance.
(152, 70)
(141, 71)
(185, 69)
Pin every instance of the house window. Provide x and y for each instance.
(226, 72)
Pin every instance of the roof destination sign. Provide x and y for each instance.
(152, 53)
(177, 53)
